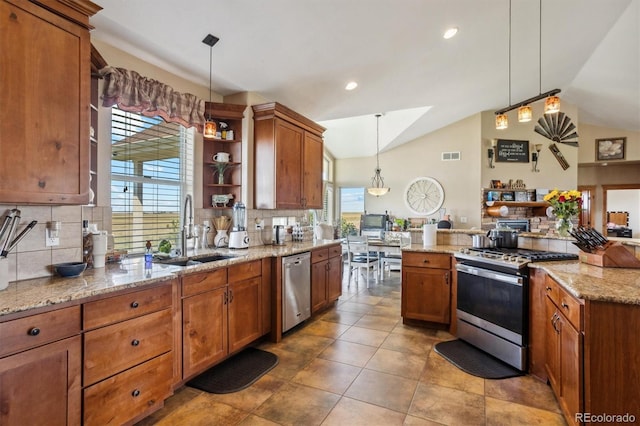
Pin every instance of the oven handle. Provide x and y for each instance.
(485, 273)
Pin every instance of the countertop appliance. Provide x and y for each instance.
(493, 302)
(296, 289)
(239, 237)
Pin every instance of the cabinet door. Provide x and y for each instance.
(245, 312)
(426, 294)
(288, 147)
(318, 286)
(44, 116)
(42, 383)
(204, 330)
(334, 279)
(570, 368)
(552, 347)
(312, 172)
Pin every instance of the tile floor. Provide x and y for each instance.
(357, 364)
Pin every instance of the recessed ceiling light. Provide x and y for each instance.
(351, 85)
(450, 33)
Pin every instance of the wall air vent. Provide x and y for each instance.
(451, 156)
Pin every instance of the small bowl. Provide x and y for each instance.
(70, 269)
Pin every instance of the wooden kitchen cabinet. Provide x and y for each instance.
(44, 122)
(128, 355)
(45, 349)
(232, 115)
(426, 287)
(288, 159)
(221, 314)
(326, 276)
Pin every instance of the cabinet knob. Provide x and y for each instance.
(33, 331)
(548, 288)
(564, 305)
(135, 393)
(134, 305)
(425, 261)
(135, 342)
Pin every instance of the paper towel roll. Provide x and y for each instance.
(429, 234)
(99, 249)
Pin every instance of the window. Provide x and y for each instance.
(351, 207)
(151, 172)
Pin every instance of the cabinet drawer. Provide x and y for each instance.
(552, 290)
(319, 255)
(130, 305)
(127, 395)
(109, 350)
(36, 330)
(245, 271)
(571, 308)
(199, 283)
(426, 260)
(335, 250)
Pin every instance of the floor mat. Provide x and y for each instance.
(474, 361)
(235, 373)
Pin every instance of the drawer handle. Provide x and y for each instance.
(135, 393)
(548, 288)
(564, 305)
(425, 261)
(34, 331)
(134, 305)
(135, 342)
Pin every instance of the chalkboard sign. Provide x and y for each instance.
(512, 151)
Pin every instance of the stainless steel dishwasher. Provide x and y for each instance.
(296, 289)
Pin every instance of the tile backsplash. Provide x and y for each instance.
(31, 258)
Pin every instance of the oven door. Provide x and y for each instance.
(493, 301)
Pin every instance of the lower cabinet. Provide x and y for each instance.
(426, 287)
(40, 369)
(221, 314)
(128, 355)
(326, 276)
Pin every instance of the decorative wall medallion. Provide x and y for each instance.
(557, 127)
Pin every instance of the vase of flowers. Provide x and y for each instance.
(566, 205)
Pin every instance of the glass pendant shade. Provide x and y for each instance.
(525, 114)
(552, 105)
(502, 122)
(377, 183)
(209, 129)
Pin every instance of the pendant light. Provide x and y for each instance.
(502, 122)
(552, 103)
(525, 114)
(377, 182)
(210, 127)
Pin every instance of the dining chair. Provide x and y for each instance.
(393, 255)
(361, 258)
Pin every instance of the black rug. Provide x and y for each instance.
(235, 373)
(474, 361)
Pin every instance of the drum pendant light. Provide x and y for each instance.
(210, 126)
(502, 122)
(377, 182)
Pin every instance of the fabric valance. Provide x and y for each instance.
(135, 93)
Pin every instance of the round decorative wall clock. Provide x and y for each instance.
(424, 196)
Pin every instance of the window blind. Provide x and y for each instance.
(148, 179)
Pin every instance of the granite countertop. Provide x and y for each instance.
(29, 294)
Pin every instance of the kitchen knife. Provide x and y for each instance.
(595, 236)
(582, 242)
(20, 236)
(581, 246)
(5, 224)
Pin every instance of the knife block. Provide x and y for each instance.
(614, 255)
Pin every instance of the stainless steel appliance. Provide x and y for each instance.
(239, 238)
(373, 225)
(296, 289)
(493, 305)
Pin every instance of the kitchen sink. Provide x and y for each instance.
(194, 260)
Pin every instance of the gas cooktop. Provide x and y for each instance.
(515, 258)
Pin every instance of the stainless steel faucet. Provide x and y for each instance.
(187, 228)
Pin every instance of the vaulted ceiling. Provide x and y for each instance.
(302, 53)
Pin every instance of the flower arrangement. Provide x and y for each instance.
(566, 204)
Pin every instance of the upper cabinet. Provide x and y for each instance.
(288, 159)
(44, 113)
(222, 156)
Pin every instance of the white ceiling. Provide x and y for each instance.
(302, 53)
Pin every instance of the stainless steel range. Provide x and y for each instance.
(492, 305)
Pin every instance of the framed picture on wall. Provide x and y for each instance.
(610, 149)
